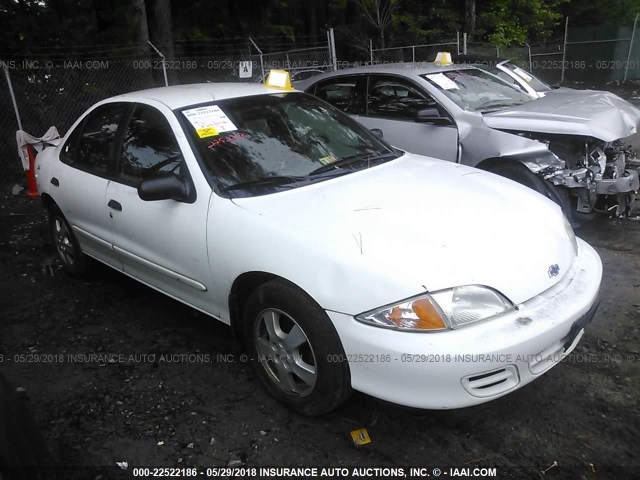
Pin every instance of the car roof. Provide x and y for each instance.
(179, 96)
(471, 58)
(409, 69)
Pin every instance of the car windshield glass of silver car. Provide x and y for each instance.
(263, 144)
(476, 90)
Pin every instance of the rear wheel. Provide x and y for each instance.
(74, 261)
(295, 349)
(521, 174)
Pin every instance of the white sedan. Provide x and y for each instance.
(342, 262)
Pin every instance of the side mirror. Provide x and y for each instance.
(164, 188)
(431, 115)
(377, 132)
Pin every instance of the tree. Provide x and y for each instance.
(470, 16)
(139, 27)
(511, 22)
(379, 13)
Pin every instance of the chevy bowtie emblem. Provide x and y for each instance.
(554, 270)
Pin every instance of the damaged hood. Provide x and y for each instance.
(589, 113)
(435, 223)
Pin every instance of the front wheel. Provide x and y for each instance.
(292, 344)
(521, 174)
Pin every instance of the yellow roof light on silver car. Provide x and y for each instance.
(443, 59)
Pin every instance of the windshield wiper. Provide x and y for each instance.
(345, 161)
(276, 180)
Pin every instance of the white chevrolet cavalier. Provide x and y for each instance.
(342, 262)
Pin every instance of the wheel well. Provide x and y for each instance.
(242, 287)
(48, 202)
(490, 163)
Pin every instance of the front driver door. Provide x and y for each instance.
(162, 242)
(391, 105)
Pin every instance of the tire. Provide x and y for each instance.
(291, 342)
(73, 259)
(521, 174)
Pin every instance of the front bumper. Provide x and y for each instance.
(477, 363)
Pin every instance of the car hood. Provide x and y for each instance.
(435, 223)
(590, 113)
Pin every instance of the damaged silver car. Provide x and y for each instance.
(568, 146)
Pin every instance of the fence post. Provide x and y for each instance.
(371, 50)
(497, 51)
(564, 48)
(413, 53)
(458, 41)
(464, 43)
(332, 46)
(164, 64)
(530, 61)
(633, 34)
(261, 59)
(13, 97)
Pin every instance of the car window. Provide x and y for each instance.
(342, 93)
(394, 98)
(94, 152)
(537, 84)
(267, 142)
(304, 74)
(149, 147)
(69, 149)
(506, 77)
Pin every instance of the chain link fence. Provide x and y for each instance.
(55, 92)
(592, 53)
(413, 53)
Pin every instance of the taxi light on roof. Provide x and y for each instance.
(279, 79)
(443, 58)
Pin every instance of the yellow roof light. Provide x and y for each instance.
(443, 58)
(279, 79)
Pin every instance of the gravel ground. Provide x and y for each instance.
(181, 396)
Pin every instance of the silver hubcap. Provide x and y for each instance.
(285, 352)
(63, 242)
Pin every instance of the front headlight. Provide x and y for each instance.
(451, 308)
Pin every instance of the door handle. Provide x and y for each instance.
(114, 205)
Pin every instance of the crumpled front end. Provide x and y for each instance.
(602, 175)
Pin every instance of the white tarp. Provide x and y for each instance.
(51, 137)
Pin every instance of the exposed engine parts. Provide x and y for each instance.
(602, 176)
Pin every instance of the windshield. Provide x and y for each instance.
(476, 90)
(535, 83)
(266, 143)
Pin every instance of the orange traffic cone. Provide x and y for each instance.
(32, 186)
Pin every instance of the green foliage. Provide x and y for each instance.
(509, 22)
(26, 24)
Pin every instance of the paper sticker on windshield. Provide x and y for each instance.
(443, 81)
(523, 74)
(327, 160)
(209, 121)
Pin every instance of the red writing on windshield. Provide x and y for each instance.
(228, 139)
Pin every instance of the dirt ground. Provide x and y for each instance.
(180, 395)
